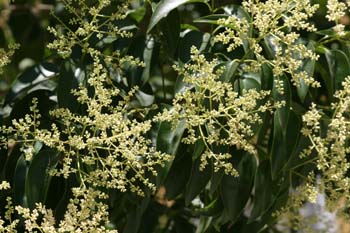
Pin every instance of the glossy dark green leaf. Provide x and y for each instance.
(198, 180)
(282, 114)
(266, 77)
(284, 143)
(170, 27)
(19, 182)
(338, 65)
(204, 224)
(235, 9)
(138, 13)
(3, 161)
(11, 155)
(327, 32)
(279, 153)
(151, 217)
(249, 81)
(280, 201)
(270, 47)
(216, 181)
(264, 189)
(179, 173)
(144, 97)
(134, 216)
(264, 135)
(163, 9)
(38, 177)
(69, 79)
(261, 224)
(198, 149)
(168, 138)
(58, 196)
(189, 39)
(211, 19)
(33, 79)
(214, 208)
(148, 54)
(308, 66)
(230, 70)
(236, 191)
(136, 76)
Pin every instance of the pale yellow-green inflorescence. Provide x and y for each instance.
(216, 114)
(278, 22)
(109, 138)
(112, 140)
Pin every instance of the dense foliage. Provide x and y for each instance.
(173, 115)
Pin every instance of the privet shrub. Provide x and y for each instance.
(175, 116)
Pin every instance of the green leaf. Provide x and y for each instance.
(214, 208)
(58, 195)
(211, 19)
(38, 178)
(138, 14)
(154, 212)
(170, 27)
(32, 79)
(264, 134)
(138, 75)
(216, 181)
(339, 66)
(147, 59)
(3, 161)
(19, 182)
(284, 142)
(249, 81)
(269, 47)
(144, 97)
(189, 39)
(281, 191)
(69, 79)
(236, 190)
(321, 67)
(280, 201)
(134, 216)
(198, 181)
(308, 66)
(204, 224)
(266, 77)
(282, 114)
(231, 68)
(179, 173)
(163, 9)
(11, 155)
(237, 10)
(198, 149)
(265, 191)
(168, 139)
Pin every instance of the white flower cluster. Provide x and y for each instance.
(331, 146)
(106, 138)
(86, 212)
(276, 21)
(336, 10)
(215, 113)
(5, 56)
